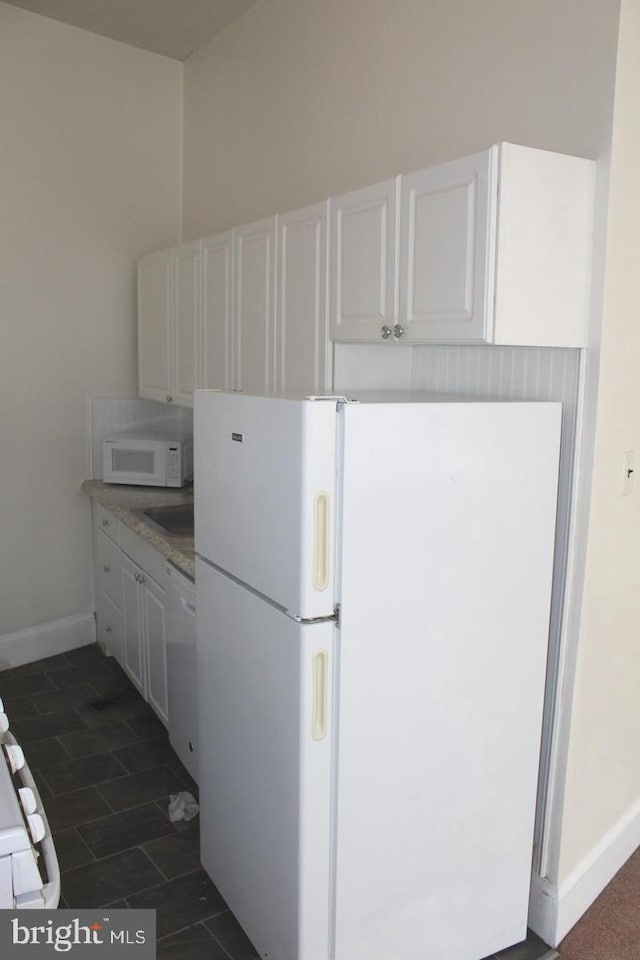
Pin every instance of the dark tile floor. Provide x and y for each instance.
(105, 776)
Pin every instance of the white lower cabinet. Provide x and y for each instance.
(132, 625)
(108, 626)
(155, 646)
(131, 608)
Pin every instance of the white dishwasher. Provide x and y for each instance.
(182, 668)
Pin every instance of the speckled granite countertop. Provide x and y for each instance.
(125, 502)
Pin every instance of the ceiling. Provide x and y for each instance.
(174, 28)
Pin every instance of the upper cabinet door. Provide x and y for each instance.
(217, 311)
(446, 218)
(155, 312)
(302, 342)
(255, 258)
(187, 318)
(363, 262)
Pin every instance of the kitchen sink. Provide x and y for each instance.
(176, 520)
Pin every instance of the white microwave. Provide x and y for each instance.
(150, 458)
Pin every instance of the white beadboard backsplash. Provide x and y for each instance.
(526, 373)
(111, 414)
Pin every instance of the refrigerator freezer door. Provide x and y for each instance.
(441, 674)
(264, 691)
(265, 495)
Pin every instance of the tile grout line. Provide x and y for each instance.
(104, 815)
(135, 893)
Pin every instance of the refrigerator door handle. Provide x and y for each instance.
(320, 681)
(321, 542)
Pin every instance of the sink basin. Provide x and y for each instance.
(176, 520)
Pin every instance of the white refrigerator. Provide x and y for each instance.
(374, 580)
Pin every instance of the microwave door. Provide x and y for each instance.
(139, 463)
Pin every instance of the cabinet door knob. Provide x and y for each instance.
(107, 629)
(106, 568)
(385, 331)
(105, 523)
(169, 398)
(398, 331)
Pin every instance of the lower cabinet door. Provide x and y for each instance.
(153, 601)
(108, 626)
(136, 634)
(132, 632)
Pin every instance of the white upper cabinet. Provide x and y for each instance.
(444, 217)
(254, 271)
(155, 319)
(542, 247)
(168, 318)
(217, 312)
(302, 341)
(494, 248)
(363, 262)
(187, 265)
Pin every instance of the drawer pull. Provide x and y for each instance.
(105, 523)
(106, 568)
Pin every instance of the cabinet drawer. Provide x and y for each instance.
(107, 523)
(108, 564)
(108, 626)
(148, 559)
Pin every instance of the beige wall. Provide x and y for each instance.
(299, 99)
(602, 793)
(90, 167)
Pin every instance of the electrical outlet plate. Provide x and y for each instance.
(629, 471)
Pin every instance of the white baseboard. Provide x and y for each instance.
(553, 911)
(47, 639)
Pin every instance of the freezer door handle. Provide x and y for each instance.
(321, 542)
(320, 681)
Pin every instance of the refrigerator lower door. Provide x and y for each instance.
(265, 754)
